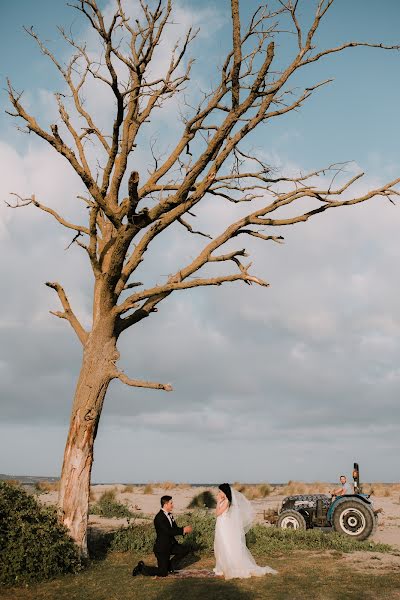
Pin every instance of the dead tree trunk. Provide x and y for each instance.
(95, 376)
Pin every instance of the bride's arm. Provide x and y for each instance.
(221, 507)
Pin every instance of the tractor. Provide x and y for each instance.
(351, 514)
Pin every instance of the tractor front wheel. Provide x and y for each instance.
(354, 518)
(291, 519)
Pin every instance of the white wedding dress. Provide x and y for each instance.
(232, 556)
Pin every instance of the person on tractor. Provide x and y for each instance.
(345, 488)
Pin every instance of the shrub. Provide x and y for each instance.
(141, 536)
(253, 492)
(202, 536)
(134, 538)
(263, 539)
(240, 487)
(265, 489)
(203, 500)
(92, 494)
(47, 486)
(128, 489)
(167, 485)
(293, 488)
(13, 482)
(108, 506)
(34, 545)
(148, 489)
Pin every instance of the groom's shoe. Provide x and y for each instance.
(138, 569)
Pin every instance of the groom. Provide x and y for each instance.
(165, 545)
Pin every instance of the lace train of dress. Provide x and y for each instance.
(232, 557)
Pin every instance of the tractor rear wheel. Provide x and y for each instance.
(354, 518)
(291, 519)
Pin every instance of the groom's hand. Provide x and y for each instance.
(188, 529)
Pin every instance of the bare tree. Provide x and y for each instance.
(208, 160)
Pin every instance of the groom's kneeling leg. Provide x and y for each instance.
(163, 564)
(162, 567)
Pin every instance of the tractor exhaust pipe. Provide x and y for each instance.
(356, 479)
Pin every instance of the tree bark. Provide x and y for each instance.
(96, 373)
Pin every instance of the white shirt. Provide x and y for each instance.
(347, 488)
(168, 517)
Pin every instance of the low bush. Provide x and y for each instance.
(47, 486)
(13, 482)
(260, 539)
(34, 546)
(254, 491)
(108, 506)
(167, 485)
(203, 500)
(137, 537)
(141, 536)
(148, 489)
(293, 488)
(257, 492)
(92, 494)
(202, 537)
(128, 489)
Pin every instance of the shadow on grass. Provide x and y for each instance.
(99, 543)
(190, 559)
(198, 589)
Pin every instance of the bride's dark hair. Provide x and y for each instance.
(226, 488)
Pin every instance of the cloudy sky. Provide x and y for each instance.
(296, 381)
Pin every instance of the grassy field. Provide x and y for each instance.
(311, 565)
(302, 575)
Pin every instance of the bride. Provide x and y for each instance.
(234, 518)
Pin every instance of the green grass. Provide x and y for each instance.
(309, 567)
(271, 539)
(302, 576)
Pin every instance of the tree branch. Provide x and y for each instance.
(167, 387)
(237, 53)
(184, 285)
(68, 312)
(21, 202)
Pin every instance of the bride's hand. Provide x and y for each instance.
(221, 507)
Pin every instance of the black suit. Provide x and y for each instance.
(165, 545)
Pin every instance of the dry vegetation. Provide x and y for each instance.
(384, 490)
(128, 489)
(253, 491)
(292, 488)
(92, 495)
(47, 486)
(271, 514)
(166, 485)
(14, 482)
(171, 485)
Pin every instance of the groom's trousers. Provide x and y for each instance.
(166, 562)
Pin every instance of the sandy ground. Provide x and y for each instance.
(388, 530)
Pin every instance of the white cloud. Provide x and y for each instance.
(256, 372)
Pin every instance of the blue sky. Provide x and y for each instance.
(305, 372)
